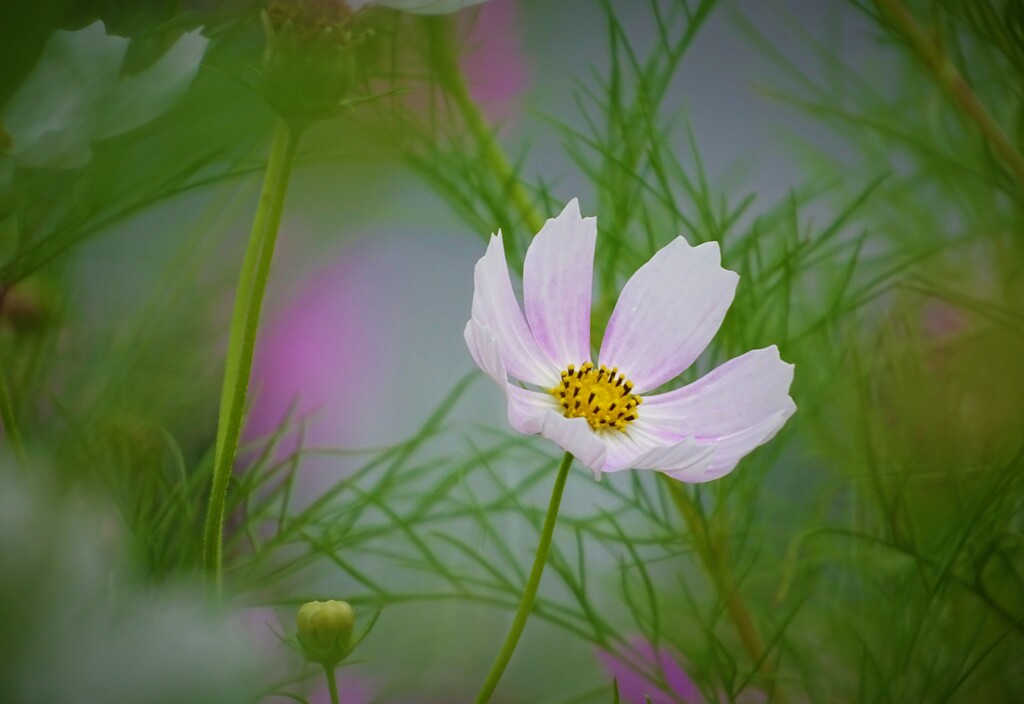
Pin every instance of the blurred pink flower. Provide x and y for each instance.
(644, 672)
(419, 7)
(315, 357)
(493, 60)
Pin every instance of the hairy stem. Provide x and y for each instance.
(252, 283)
(949, 78)
(530, 593)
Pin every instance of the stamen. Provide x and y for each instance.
(609, 401)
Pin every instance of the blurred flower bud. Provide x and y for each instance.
(27, 306)
(325, 631)
(314, 57)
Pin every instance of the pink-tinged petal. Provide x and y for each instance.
(576, 436)
(495, 307)
(557, 279)
(680, 461)
(483, 347)
(737, 395)
(667, 313)
(533, 412)
(527, 409)
(624, 448)
(731, 449)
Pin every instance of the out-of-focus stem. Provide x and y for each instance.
(490, 149)
(245, 318)
(10, 421)
(949, 78)
(712, 557)
(530, 592)
(332, 684)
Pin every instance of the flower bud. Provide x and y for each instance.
(325, 631)
(315, 55)
(27, 307)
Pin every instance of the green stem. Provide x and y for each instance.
(944, 71)
(530, 593)
(490, 149)
(712, 556)
(245, 318)
(10, 421)
(332, 684)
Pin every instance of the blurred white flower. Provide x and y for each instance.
(420, 7)
(666, 315)
(77, 629)
(77, 95)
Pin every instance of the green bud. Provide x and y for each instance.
(28, 306)
(325, 631)
(316, 53)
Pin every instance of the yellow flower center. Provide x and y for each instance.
(600, 395)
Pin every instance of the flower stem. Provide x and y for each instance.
(716, 568)
(530, 593)
(332, 684)
(949, 78)
(252, 283)
(10, 422)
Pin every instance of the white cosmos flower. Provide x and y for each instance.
(420, 7)
(603, 411)
(76, 95)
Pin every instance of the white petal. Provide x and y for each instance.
(484, 349)
(67, 146)
(576, 436)
(680, 460)
(51, 117)
(526, 409)
(135, 100)
(667, 313)
(731, 449)
(733, 409)
(625, 448)
(495, 307)
(557, 280)
(533, 412)
(735, 396)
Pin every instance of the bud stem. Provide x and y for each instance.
(252, 283)
(10, 421)
(332, 684)
(530, 593)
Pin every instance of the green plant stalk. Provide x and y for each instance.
(332, 684)
(532, 583)
(490, 149)
(252, 284)
(714, 564)
(10, 421)
(949, 78)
